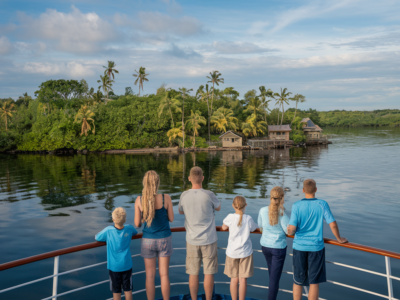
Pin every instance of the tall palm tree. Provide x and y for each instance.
(184, 93)
(194, 121)
(280, 100)
(203, 94)
(253, 127)
(264, 93)
(110, 69)
(85, 115)
(140, 77)
(298, 98)
(170, 103)
(214, 79)
(223, 119)
(174, 133)
(106, 85)
(6, 111)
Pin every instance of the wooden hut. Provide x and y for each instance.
(279, 132)
(311, 130)
(231, 139)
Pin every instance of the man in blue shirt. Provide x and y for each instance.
(306, 222)
(119, 259)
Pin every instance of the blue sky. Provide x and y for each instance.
(342, 54)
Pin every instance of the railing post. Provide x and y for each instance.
(55, 278)
(306, 291)
(388, 276)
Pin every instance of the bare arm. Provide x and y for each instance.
(224, 227)
(335, 230)
(291, 230)
(138, 213)
(218, 208)
(181, 212)
(170, 210)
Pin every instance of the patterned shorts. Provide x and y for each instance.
(151, 248)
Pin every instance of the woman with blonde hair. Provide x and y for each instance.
(155, 211)
(273, 223)
(239, 263)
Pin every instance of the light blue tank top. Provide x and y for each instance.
(159, 228)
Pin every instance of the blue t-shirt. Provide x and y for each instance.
(119, 257)
(272, 236)
(308, 216)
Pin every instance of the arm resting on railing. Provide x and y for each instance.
(335, 230)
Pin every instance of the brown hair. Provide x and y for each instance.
(239, 203)
(151, 182)
(119, 216)
(196, 175)
(309, 186)
(276, 206)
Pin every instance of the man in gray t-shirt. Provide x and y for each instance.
(198, 206)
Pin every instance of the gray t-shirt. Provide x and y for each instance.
(198, 206)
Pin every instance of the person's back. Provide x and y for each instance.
(198, 206)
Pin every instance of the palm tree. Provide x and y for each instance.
(141, 77)
(281, 99)
(85, 115)
(110, 69)
(223, 119)
(194, 121)
(6, 111)
(106, 85)
(204, 95)
(298, 98)
(264, 93)
(214, 79)
(170, 103)
(253, 127)
(174, 133)
(184, 93)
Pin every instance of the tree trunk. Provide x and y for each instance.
(6, 121)
(139, 88)
(278, 117)
(183, 123)
(283, 112)
(212, 99)
(172, 118)
(294, 114)
(209, 116)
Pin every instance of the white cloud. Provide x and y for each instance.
(239, 48)
(73, 32)
(72, 69)
(158, 23)
(258, 27)
(5, 46)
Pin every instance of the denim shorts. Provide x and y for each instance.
(309, 267)
(151, 248)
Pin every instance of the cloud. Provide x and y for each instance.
(73, 32)
(158, 23)
(385, 40)
(258, 28)
(72, 69)
(184, 53)
(5, 46)
(240, 48)
(173, 6)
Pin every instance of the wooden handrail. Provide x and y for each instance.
(31, 259)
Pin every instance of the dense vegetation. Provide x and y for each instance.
(67, 114)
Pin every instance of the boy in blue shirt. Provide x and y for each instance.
(119, 259)
(306, 222)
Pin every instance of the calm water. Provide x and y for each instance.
(52, 202)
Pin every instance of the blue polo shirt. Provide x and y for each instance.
(118, 241)
(308, 216)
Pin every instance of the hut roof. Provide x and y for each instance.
(279, 127)
(230, 131)
(310, 126)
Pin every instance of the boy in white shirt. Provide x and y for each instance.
(239, 263)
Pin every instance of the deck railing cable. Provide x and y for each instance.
(56, 254)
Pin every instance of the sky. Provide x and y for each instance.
(339, 54)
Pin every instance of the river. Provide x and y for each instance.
(50, 202)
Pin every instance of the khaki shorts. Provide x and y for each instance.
(195, 254)
(239, 267)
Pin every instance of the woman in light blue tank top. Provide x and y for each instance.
(155, 211)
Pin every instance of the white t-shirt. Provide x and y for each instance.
(239, 243)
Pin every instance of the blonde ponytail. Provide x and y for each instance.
(151, 183)
(239, 203)
(276, 207)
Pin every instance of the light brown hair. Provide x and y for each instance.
(151, 183)
(276, 205)
(309, 186)
(196, 175)
(119, 216)
(239, 203)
